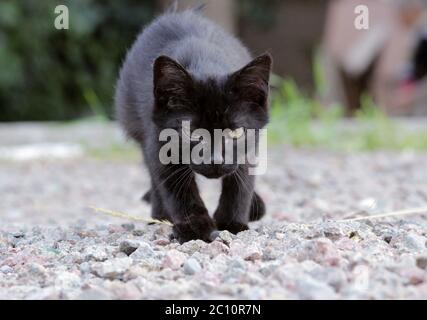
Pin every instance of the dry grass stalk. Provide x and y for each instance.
(389, 214)
(122, 215)
(118, 214)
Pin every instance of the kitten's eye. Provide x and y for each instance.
(236, 134)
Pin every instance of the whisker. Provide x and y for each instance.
(157, 186)
(245, 184)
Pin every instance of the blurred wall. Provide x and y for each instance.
(289, 29)
(376, 61)
(292, 33)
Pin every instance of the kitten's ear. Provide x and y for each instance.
(251, 82)
(171, 80)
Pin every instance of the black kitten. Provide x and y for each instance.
(184, 67)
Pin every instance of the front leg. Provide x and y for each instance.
(235, 202)
(181, 199)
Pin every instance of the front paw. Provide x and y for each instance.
(233, 227)
(193, 228)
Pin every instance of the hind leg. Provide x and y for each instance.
(157, 210)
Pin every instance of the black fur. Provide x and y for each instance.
(183, 66)
(420, 59)
(256, 212)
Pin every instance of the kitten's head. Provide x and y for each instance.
(233, 103)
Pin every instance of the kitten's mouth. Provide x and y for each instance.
(213, 175)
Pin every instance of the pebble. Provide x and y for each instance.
(191, 266)
(414, 241)
(335, 277)
(414, 276)
(67, 279)
(268, 268)
(422, 262)
(18, 234)
(252, 253)
(270, 254)
(192, 246)
(173, 259)
(135, 271)
(49, 293)
(94, 293)
(36, 269)
(143, 252)
(128, 226)
(248, 236)
(236, 268)
(161, 242)
(313, 289)
(215, 248)
(237, 247)
(248, 252)
(322, 251)
(226, 236)
(95, 253)
(128, 246)
(111, 269)
(85, 267)
(138, 233)
(123, 290)
(6, 269)
(280, 236)
(368, 204)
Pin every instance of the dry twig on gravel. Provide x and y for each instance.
(118, 214)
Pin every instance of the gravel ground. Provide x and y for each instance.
(53, 247)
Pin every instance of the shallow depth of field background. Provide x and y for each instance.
(50, 74)
(333, 86)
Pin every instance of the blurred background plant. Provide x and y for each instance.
(299, 121)
(49, 74)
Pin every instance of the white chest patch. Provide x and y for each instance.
(210, 191)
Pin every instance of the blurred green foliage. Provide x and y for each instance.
(299, 121)
(293, 116)
(260, 12)
(50, 74)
